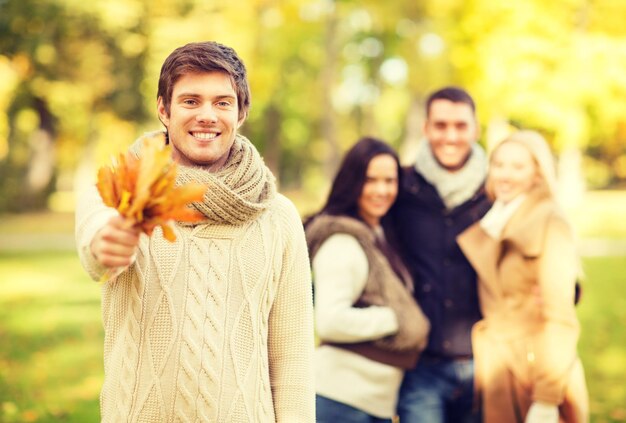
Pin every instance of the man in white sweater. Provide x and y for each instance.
(216, 326)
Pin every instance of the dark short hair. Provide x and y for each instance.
(348, 183)
(207, 56)
(453, 94)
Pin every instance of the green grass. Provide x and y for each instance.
(51, 349)
(602, 347)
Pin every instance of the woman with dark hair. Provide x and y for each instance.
(369, 326)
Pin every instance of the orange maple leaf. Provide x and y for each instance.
(143, 189)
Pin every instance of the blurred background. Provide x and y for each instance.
(78, 84)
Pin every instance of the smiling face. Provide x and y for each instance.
(379, 190)
(451, 130)
(203, 119)
(512, 171)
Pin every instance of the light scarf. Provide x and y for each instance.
(242, 189)
(454, 188)
(499, 215)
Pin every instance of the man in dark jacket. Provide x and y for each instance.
(442, 195)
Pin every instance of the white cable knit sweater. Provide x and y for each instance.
(215, 327)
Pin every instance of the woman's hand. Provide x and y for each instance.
(540, 412)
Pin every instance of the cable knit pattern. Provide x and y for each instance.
(217, 326)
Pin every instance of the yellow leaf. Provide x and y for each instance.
(168, 232)
(106, 187)
(144, 190)
(124, 203)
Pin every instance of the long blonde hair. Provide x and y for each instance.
(541, 154)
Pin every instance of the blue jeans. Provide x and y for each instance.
(438, 391)
(329, 411)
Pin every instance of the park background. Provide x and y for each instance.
(78, 85)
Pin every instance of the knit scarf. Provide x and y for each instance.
(454, 188)
(241, 190)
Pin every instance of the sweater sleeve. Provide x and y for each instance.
(340, 270)
(290, 342)
(91, 216)
(555, 349)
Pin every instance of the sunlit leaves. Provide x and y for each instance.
(534, 62)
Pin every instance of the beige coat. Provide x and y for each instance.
(525, 347)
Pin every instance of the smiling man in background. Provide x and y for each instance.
(442, 195)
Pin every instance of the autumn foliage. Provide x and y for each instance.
(143, 190)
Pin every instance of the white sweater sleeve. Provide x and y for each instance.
(91, 216)
(290, 331)
(340, 270)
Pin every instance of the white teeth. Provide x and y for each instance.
(204, 135)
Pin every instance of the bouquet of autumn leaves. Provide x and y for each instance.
(143, 189)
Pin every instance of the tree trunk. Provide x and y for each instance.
(328, 119)
(413, 131)
(273, 139)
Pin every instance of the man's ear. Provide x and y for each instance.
(164, 116)
(242, 120)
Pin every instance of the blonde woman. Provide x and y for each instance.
(527, 367)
